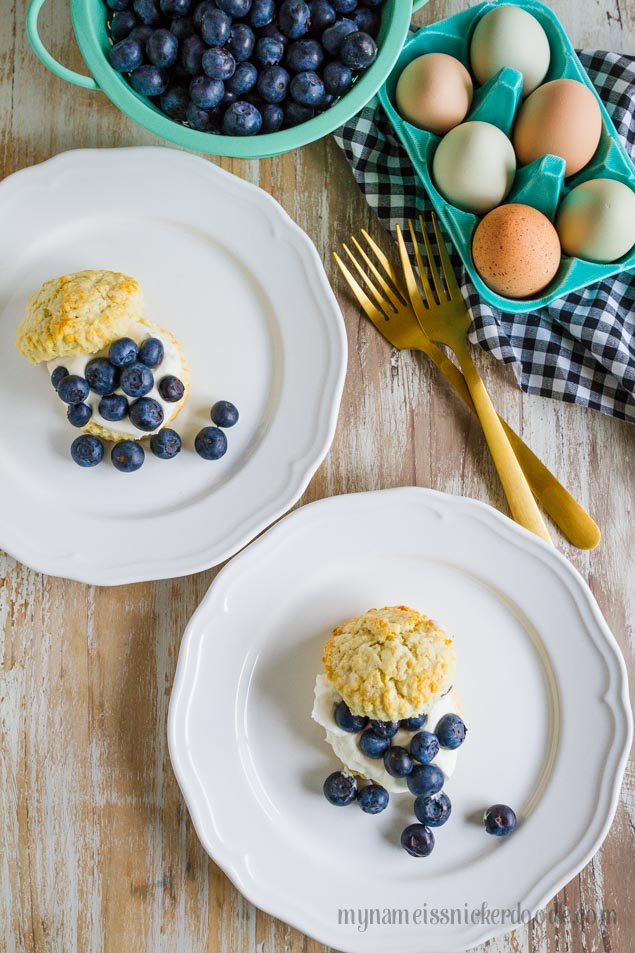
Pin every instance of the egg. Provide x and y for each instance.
(510, 36)
(516, 251)
(596, 220)
(561, 118)
(474, 166)
(434, 92)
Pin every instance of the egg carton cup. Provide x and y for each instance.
(542, 183)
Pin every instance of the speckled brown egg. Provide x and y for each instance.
(516, 251)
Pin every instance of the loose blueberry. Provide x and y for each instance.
(165, 444)
(397, 762)
(272, 117)
(269, 51)
(499, 820)
(73, 389)
(307, 89)
(149, 80)
(424, 746)
(385, 729)
(210, 443)
(241, 42)
(425, 779)
(151, 353)
(451, 731)
(102, 376)
(123, 352)
(121, 25)
(373, 799)
(192, 50)
(113, 407)
(79, 414)
(262, 13)
(372, 745)
(334, 36)
(148, 11)
(358, 50)
(126, 55)
(127, 456)
(273, 84)
(87, 451)
(136, 380)
(171, 388)
(224, 414)
(58, 374)
(417, 840)
(235, 8)
(304, 55)
(338, 78)
(206, 92)
(162, 48)
(242, 119)
(175, 8)
(216, 27)
(218, 63)
(294, 18)
(243, 80)
(433, 809)
(322, 16)
(347, 721)
(146, 414)
(414, 724)
(340, 789)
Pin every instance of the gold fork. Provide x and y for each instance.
(394, 318)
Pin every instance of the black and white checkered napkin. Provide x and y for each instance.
(581, 348)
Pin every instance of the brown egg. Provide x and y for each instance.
(516, 250)
(561, 118)
(434, 92)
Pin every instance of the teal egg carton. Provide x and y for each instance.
(542, 183)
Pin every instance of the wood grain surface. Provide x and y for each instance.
(97, 852)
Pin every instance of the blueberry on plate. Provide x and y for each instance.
(385, 729)
(121, 25)
(127, 456)
(322, 16)
(87, 451)
(499, 820)
(205, 92)
(79, 414)
(334, 36)
(165, 444)
(304, 55)
(269, 51)
(242, 119)
(294, 18)
(340, 789)
(171, 388)
(272, 117)
(373, 799)
(347, 721)
(424, 746)
(262, 13)
(414, 724)
(372, 745)
(307, 89)
(417, 840)
(218, 63)
(149, 80)
(136, 380)
(273, 84)
(146, 414)
(235, 8)
(162, 48)
(126, 55)
(224, 414)
(58, 374)
(174, 102)
(215, 27)
(338, 78)
(210, 443)
(425, 779)
(397, 762)
(433, 809)
(151, 353)
(113, 407)
(148, 11)
(241, 42)
(73, 389)
(101, 375)
(358, 50)
(451, 731)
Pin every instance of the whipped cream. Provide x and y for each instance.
(171, 364)
(345, 744)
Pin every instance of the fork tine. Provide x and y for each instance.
(423, 274)
(416, 300)
(432, 265)
(371, 311)
(448, 271)
(392, 297)
(386, 264)
(383, 304)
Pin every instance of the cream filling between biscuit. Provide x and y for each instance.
(171, 364)
(345, 744)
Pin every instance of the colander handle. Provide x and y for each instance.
(43, 54)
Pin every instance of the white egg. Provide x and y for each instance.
(596, 221)
(510, 36)
(474, 167)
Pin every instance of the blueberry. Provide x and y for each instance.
(191, 57)
(322, 15)
(433, 809)
(171, 388)
(162, 48)
(347, 721)
(451, 731)
(297, 114)
(334, 36)
(136, 380)
(262, 13)
(358, 50)
(242, 119)
(73, 389)
(206, 92)
(102, 376)
(304, 55)
(87, 451)
(149, 80)
(182, 27)
(218, 63)
(413, 724)
(148, 11)
(199, 119)
(417, 840)
(344, 6)
(151, 353)
(372, 745)
(165, 444)
(397, 762)
(294, 18)
(307, 89)
(340, 789)
(113, 407)
(274, 32)
(79, 414)
(499, 820)
(121, 25)
(367, 20)
(338, 78)
(174, 102)
(385, 729)
(123, 352)
(127, 456)
(272, 117)
(425, 779)
(141, 34)
(269, 51)
(241, 42)
(146, 414)
(215, 27)
(235, 8)
(175, 8)
(373, 799)
(243, 80)
(224, 414)
(273, 84)
(58, 374)
(126, 55)
(210, 443)
(118, 5)
(424, 746)
(200, 10)
(229, 98)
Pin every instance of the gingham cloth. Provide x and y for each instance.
(581, 348)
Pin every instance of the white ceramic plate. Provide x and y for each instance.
(242, 287)
(543, 689)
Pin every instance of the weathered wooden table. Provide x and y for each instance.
(97, 852)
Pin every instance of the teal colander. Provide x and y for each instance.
(89, 23)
